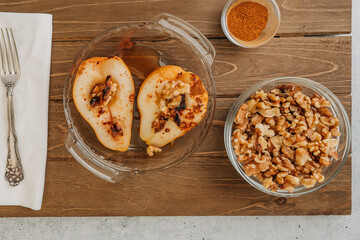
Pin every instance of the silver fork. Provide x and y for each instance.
(10, 74)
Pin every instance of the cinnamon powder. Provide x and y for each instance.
(247, 20)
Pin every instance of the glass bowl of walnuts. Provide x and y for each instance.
(287, 136)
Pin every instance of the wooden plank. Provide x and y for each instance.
(204, 184)
(198, 186)
(212, 146)
(74, 20)
(323, 59)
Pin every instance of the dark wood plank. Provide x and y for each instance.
(323, 59)
(198, 186)
(86, 18)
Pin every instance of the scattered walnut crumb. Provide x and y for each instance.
(284, 138)
(151, 150)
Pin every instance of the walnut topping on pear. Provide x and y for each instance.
(102, 93)
(171, 102)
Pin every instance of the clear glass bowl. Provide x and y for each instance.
(164, 40)
(309, 88)
(267, 34)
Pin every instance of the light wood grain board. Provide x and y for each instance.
(205, 183)
(324, 59)
(74, 20)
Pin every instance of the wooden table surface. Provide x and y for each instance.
(205, 183)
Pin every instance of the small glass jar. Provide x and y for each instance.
(309, 88)
(266, 35)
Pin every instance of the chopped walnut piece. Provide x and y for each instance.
(268, 182)
(280, 177)
(102, 93)
(314, 136)
(288, 152)
(243, 158)
(264, 166)
(300, 127)
(263, 105)
(318, 177)
(276, 142)
(272, 112)
(282, 124)
(295, 141)
(264, 130)
(288, 187)
(319, 102)
(289, 117)
(261, 94)
(312, 119)
(302, 156)
(333, 153)
(330, 121)
(250, 169)
(284, 138)
(325, 111)
(276, 91)
(325, 161)
(257, 118)
(302, 100)
(241, 114)
(173, 103)
(262, 142)
(335, 132)
(308, 182)
(173, 95)
(275, 100)
(252, 105)
(270, 121)
(290, 100)
(292, 180)
(330, 142)
(151, 150)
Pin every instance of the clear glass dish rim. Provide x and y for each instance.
(246, 94)
(98, 160)
(233, 40)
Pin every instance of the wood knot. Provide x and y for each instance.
(281, 201)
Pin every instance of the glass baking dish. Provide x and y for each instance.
(164, 40)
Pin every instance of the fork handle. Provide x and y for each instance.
(14, 172)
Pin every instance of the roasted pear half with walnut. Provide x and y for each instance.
(103, 94)
(171, 102)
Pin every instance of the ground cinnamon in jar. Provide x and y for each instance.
(247, 20)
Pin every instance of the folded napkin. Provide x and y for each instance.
(33, 35)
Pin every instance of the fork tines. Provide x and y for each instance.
(9, 56)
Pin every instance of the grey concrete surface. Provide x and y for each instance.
(206, 228)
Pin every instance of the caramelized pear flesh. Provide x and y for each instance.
(171, 102)
(103, 94)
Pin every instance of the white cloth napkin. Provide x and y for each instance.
(33, 36)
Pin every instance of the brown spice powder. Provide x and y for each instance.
(247, 20)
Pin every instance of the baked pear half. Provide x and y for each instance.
(104, 94)
(171, 102)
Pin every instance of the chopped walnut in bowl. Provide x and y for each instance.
(287, 139)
